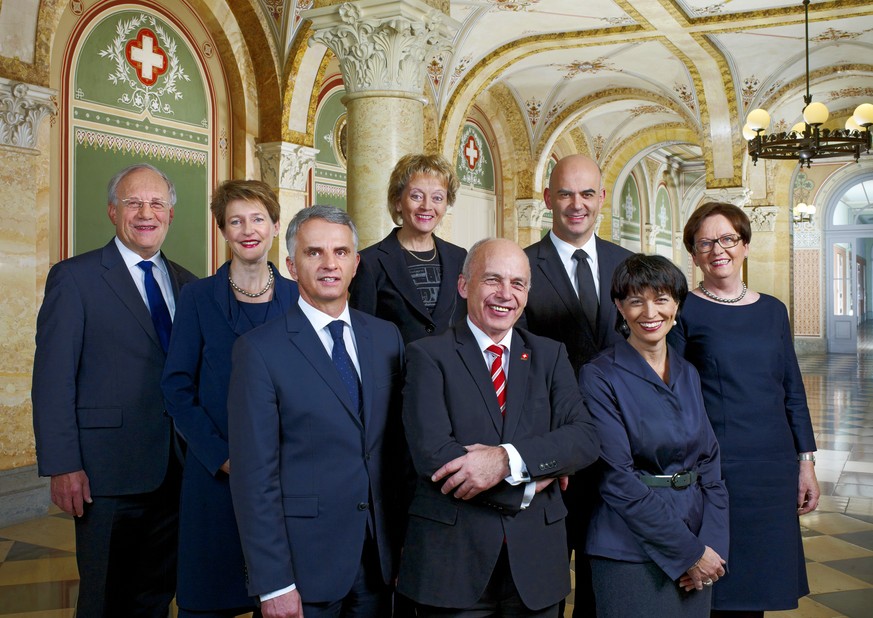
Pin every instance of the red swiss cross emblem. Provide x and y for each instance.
(149, 60)
(472, 152)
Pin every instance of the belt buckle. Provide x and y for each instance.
(681, 480)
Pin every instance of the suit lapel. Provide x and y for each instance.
(448, 287)
(120, 281)
(473, 359)
(221, 294)
(305, 339)
(519, 369)
(364, 345)
(394, 263)
(555, 273)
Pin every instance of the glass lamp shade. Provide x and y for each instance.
(810, 209)
(800, 128)
(816, 113)
(864, 115)
(748, 133)
(758, 120)
(851, 125)
(801, 209)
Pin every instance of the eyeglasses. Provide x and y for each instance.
(727, 241)
(134, 203)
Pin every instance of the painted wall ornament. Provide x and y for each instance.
(146, 64)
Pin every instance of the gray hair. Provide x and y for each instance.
(473, 254)
(116, 180)
(331, 214)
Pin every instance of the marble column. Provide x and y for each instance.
(24, 255)
(285, 167)
(381, 46)
(530, 220)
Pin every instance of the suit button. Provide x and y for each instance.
(429, 329)
(542, 466)
(363, 506)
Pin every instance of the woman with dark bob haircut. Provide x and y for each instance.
(741, 343)
(658, 537)
(211, 313)
(411, 276)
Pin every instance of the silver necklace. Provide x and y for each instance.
(252, 294)
(412, 253)
(724, 300)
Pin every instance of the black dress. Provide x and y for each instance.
(755, 400)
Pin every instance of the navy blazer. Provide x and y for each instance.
(306, 472)
(647, 427)
(452, 545)
(96, 395)
(383, 287)
(553, 308)
(197, 372)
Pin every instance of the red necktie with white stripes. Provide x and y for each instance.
(498, 378)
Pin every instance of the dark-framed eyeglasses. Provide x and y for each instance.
(705, 245)
(134, 203)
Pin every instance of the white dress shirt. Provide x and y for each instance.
(566, 251)
(518, 473)
(162, 275)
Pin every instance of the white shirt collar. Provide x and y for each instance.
(131, 259)
(566, 250)
(483, 340)
(319, 319)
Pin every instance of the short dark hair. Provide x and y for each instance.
(247, 190)
(112, 189)
(734, 214)
(642, 272)
(331, 214)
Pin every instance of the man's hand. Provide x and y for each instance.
(287, 605)
(70, 491)
(481, 468)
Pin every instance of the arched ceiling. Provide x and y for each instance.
(609, 70)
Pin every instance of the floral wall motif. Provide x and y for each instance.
(578, 67)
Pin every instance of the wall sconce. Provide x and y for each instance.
(803, 213)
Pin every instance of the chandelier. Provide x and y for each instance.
(807, 140)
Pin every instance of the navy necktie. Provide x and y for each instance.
(343, 363)
(587, 291)
(157, 305)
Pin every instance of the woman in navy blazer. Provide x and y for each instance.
(411, 277)
(244, 293)
(658, 537)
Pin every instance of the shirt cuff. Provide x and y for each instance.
(278, 593)
(518, 473)
(530, 491)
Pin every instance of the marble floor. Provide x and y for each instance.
(38, 577)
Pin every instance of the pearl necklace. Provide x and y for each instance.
(724, 300)
(252, 294)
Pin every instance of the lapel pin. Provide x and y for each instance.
(525, 356)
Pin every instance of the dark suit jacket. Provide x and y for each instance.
(96, 394)
(453, 545)
(306, 474)
(383, 287)
(207, 323)
(647, 427)
(553, 308)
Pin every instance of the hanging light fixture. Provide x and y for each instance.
(803, 213)
(807, 140)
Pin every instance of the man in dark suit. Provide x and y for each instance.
(486, 533)
(316, 440)
(571, 304)
(98, 415)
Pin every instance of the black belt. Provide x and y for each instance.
(680, 480)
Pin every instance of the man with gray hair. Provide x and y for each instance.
(98, 415)
(316, 441)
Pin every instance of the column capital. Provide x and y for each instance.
(285, 165)
(762, 218)
(382, 44)
(530, 212)
(22, 108)
(738, 196)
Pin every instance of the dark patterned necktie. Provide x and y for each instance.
(344, 365)
(157, 305)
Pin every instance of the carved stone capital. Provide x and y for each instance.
(382, 44)
(285, 165)
(762, 218)
(738, 196)
(530, 212)
(22, 108)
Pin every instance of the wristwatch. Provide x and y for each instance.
(806, 457)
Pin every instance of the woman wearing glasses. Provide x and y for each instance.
(740, 341)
